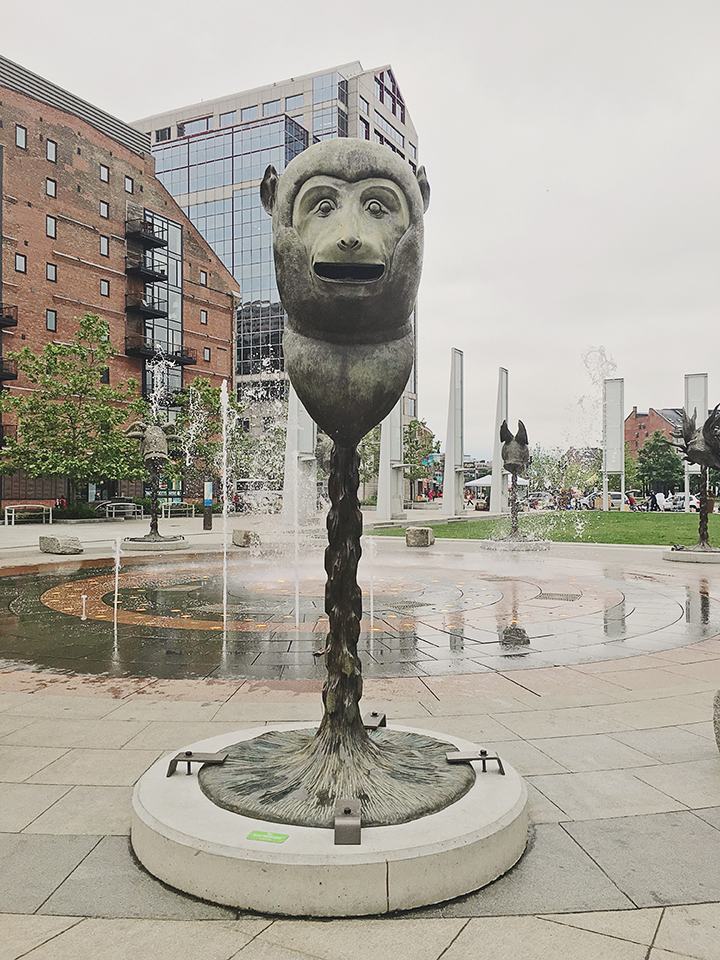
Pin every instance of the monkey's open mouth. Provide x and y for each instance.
(349, 272)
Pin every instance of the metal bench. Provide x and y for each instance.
(27, 512)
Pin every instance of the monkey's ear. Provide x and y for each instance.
(505, 434)
(268, 189)
(424, 187)
(521, 435)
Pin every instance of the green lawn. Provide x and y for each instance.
(663, 529)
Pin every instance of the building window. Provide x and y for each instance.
(129, 185)
(20, 263)
(104, 288)
(104, 173)
(294, 103)
(271, 108)
(206, 353)
(163, 134)
(330, 86)
(50, 187)
(105, 375)
(203, 278)
(364, 129)
(104, 246)
(228, 119)
(248, 113)
(20, 136)
(51, 151)
(364, 105)
(51, 320)
(389, 129)
(203, 316)
(188, 127)
(50, 227)
(51, 272)
(412, 150)
(104, 210)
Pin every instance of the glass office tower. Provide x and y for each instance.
(211, 157)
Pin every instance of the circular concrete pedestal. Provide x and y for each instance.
(186, 841)
(154, 546)
(692, 556)
(515, 546)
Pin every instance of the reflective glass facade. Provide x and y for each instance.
(215, 175)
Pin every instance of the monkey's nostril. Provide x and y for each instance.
(349, 243)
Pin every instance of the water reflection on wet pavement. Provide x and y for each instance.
(441, 616)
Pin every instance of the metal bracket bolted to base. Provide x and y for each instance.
(374, 720)
(347, 821)
(188, 757)
(468, 756)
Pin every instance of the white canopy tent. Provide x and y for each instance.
(487, 481)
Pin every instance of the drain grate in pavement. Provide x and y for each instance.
(558, 596)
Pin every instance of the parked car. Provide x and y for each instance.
(677, 504)
(615, 500)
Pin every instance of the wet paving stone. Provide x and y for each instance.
(172, 623)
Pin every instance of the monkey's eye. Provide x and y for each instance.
(325, 208)
(375, 208)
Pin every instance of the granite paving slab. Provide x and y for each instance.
(110, 883)
(658, 859)
(531, 938)
(668, 744)
(21, 803)
(33, 867)
(553, 874)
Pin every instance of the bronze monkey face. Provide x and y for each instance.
(350, 230)
(347, 230)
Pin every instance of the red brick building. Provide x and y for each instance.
(640, 426)
(86, 227)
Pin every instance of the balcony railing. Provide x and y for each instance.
(8, 369)
(136, 345)
(147, 306)
(140, 267)
(8, 315)
(146, 232)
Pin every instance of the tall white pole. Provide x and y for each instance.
(498, 486)
(390, 478)
(453, 475)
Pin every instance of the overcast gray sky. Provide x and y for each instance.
(571, 146)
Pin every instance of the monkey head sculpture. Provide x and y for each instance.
(348, 237)
(515, 451)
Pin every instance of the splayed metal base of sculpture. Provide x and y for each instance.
(287, 777)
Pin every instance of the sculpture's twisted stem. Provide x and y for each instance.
(703, 536)
(514, 531)
(343, 599)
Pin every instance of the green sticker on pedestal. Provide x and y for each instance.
(268, 837)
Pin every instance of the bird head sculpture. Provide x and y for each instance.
(515, 451)
(700, 445)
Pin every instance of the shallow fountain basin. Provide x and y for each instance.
(185, 840)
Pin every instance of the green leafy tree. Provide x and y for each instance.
(546, 469)
(660, 466)
(418, 445)
(632, 470)
(70, 423)
(369, 450)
